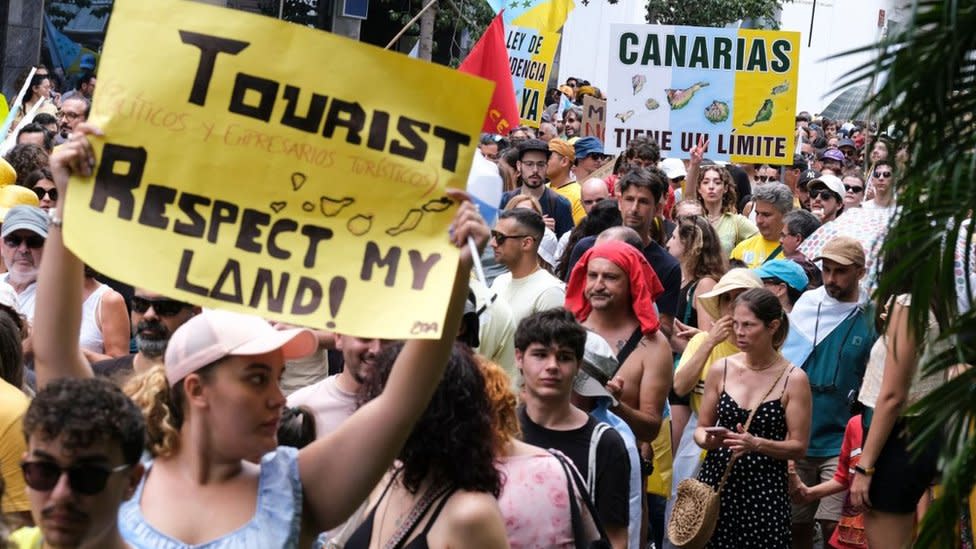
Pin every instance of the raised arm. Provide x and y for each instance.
(338, 471)
(694, 164)
(690, 369)
(57, 317)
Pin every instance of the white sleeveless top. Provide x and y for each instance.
(91, 335)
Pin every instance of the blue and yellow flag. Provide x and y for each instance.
(544, 15)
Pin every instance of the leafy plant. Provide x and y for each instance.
(927, 70)
(712, 13)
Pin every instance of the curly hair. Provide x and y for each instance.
(505, 423)
(25, 158)
(703, 248)
(729, 197)
(162, 407)
(83, 412)
(453, 442)
(37, 175)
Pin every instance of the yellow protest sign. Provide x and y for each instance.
(264, 167)
(530, 54)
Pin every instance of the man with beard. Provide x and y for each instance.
(154, 318)
(831, 334)
(333, 399)
(84, 441)
(533, 159)
(24, 233)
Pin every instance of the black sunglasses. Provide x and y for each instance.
(500, 238)
(163, 307)
(41, 191)
(854, 189)
(765, 178)
(822, 194)
(87, 480)
(33, 241)
(882, 175)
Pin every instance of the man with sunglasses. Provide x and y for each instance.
(882, 179)
(831, 334)
(74, 111)
(24, 232)
(84, 440)
(853, 189)
(154, 318)
(527, 287)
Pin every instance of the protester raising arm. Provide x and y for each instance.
(387, 420)
(57, 320)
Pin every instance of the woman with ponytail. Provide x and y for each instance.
(755, 411)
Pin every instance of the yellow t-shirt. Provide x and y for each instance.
(28, 537)
(12, 447)
(754, 250)
(733, 229)
(571, 192)
(659, 482)
(722, 350)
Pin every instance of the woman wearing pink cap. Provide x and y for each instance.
(217, 405)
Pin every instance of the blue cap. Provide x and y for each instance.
(786, 270)
(587, 146)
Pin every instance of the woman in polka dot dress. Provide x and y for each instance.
(755, 504)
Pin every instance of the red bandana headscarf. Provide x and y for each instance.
(645, 287)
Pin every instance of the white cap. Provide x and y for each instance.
(673, 167)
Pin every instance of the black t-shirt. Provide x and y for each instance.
(612, 463)
(666, 267)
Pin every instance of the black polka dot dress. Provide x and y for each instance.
(755, 510)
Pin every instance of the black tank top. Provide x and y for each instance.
(361, 538)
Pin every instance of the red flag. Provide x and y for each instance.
(489, 59)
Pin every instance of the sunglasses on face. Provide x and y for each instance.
(41, 191)
(765, 178)
(500, 238)
(854, 189)
(87, 480)
(163, 307)
(33, 241)
(822, 194)
(882, 175)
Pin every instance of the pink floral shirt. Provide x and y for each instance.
(535, 502)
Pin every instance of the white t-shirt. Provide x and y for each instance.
(537, 292)
(329, 404)
(25, 299)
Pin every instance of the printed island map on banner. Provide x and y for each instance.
(247, 178)
(734, 87)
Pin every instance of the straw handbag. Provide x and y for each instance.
(695, 512)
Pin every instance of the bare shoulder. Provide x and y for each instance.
(797, 377)
(471, 519)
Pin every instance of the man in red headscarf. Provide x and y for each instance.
(611, 292)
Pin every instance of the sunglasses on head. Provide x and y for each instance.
(500, 238)
(163, 307)
(33, 241)
(40, 192)
(854, 189)
(87, 480)
(882, 175)
(822, 194)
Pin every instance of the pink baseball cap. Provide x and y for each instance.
(213, 335)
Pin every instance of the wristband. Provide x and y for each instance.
(866, 471)
(53, 219)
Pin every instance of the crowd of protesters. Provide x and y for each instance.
(644, 320)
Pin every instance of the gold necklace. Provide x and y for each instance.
(766, 367)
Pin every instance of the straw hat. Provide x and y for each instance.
(735, 279)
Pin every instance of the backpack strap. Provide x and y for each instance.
(591, 461)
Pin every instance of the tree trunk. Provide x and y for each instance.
(427, 33)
